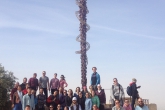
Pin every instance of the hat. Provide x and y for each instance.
(134, 80)
(99, 85)
(74, 98)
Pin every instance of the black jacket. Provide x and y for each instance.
(68, 101)
(81, 102)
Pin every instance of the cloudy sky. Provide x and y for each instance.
(127, 41)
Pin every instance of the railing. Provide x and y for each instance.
(107, 92)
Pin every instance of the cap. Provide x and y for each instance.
(99, 85)
(74, 98)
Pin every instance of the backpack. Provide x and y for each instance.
(129, 90)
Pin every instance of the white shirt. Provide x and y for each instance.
(20, 95)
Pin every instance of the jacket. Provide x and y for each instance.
(97, 77)
(134, 90)
(28, 101)
(81, 102)
(68, 100)
(88, 104)
(114, 92)
(95, 100)
(101, 96)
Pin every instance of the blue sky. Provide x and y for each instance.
(127, 40)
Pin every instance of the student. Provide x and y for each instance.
(53, 99)
(95, 107)
(33, 92)
(126, 105)
(54, 83)
(117, 105)
(23, 85)
(17, 99)
(84, 91)
(25, 90)
(62, 97)
(77, 92)
(44, 83)
(28, 99)
(41, 100)
(14, 90)
(33, 82)
(59, 107)
(27, 107)
(63, 82)
(81, 101)
(117, 92)
(88, 102)
(101, 94)
(141, 105)
(68, 99)
(134, 90)
(66, 108)
(95, 99)
(51, 107)
(74, 105)
(95, 78)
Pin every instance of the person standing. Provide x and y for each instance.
(41, 100)
(84, 91)
(101, 94)
(23, 85)
(76, 92)
(54, 83)
(28, 99)
(117, 92)
(18, 99)
(95, 99)
(33, 92)
(88, 102)
(74, 105)
(95, 78)
(63, 82)
(53, 100)
(141, 105)
(134, 91)
(117, 105)
(81, 101)
(25, 90)
(44, 83)
(62, 98)
(68, 99)
(33, 82)
(14, 90)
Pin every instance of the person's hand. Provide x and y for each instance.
(139, 86)
(48, 89)
(114, 99)
(12, 105)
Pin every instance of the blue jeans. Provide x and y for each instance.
(17, 106)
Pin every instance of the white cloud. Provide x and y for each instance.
(126, 32)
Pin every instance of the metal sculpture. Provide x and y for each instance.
(84, 27)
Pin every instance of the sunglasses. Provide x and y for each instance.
(50, 107)
(140, 101)
(114, 81)
(116, 102)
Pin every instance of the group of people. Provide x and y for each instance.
(24, 96)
